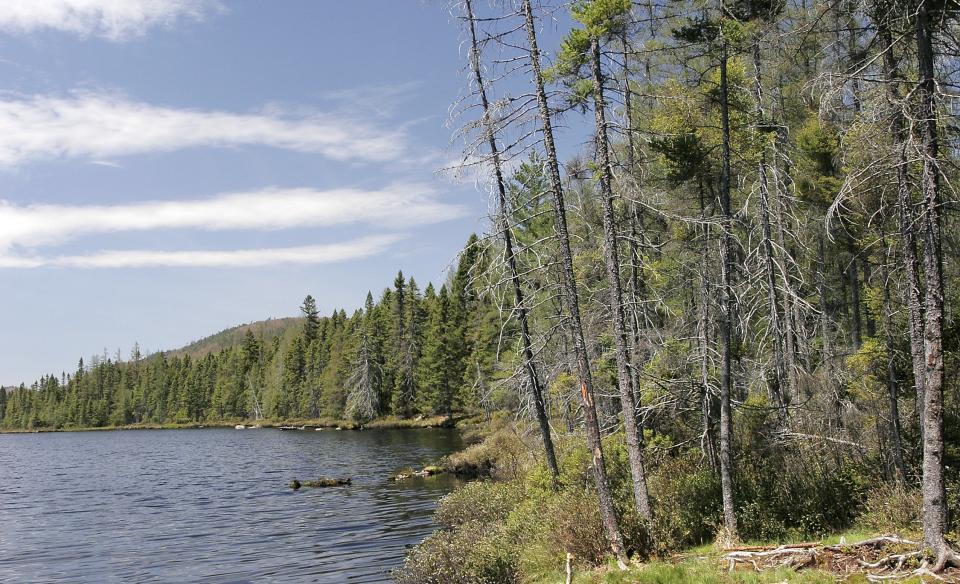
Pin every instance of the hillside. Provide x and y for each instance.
(233, 336)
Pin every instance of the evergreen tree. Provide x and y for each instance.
(311, 319)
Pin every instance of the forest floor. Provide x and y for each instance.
(384, 423)
(853, 557)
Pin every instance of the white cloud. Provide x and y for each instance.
(115, 20)
(397, 207)
(101, 126)
(245, 258)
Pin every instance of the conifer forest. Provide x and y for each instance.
(733, 313)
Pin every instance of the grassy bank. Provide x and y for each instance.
(384, 423)
(517, 525)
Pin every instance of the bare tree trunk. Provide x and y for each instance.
(536, 390)
(728, 310)
(708, 440)
(856, 324)
(624, 374)
(571, 298)
(867, 271)
(935, 520)
(773, 302)
(897, 444)
(790, 319)
(906, 216)
(827, 354)
(638, 319)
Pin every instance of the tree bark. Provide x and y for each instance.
(611, 256)
(536, 390)
(727, 312)
(571, 299)
(638, 320)
(856, 326)
(895, 438)
(935, 520)
(708, 440)
(827, 352)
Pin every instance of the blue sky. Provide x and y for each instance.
(170, 168)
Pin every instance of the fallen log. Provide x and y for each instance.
(320, 483)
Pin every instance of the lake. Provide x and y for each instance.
(213, 505)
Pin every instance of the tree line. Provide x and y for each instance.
(409, 353)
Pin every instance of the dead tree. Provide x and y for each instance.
(571, 299)
(520, 308)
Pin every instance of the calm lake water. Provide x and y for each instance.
(213, 505)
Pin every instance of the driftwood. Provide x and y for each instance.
(319, 483)
(761, 548)
(428, 471)
(886, 558)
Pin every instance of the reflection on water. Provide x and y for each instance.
(212, 505)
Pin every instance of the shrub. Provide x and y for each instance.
(470, 554)
(687, 502)
(481, 502)
(572, 525)
(799, 490)
(502, 455)
(892, 508)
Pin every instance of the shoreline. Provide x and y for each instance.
(385, 423)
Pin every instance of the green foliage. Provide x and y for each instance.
(687, 500)
(484, 502)
(472, 554)
(892, 508)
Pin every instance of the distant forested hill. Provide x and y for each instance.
(233, 336)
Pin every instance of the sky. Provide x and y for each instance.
(171, 168)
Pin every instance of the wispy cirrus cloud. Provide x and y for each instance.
(246, 258)
(99, 125)
(116, 20)
(26, 228)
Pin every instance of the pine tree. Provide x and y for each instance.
(311, 323)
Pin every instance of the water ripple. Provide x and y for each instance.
(212, 505)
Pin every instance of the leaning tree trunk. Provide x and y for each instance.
(624, 374)
(571, 299)
(935, 520)
(727, 312)
(536, 390)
